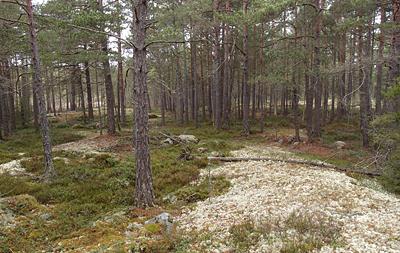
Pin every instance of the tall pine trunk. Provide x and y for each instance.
(379, 66)
(108, 83)
(317, 73)
(49, 172)
(246, 89)
(144, 194)
(89, 91)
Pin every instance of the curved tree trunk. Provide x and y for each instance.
(49, 172)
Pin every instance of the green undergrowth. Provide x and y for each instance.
(28, 141)
(89, 187)
(206, 188)
(337, 161)
(342, 131)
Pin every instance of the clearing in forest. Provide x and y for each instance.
(279, 207)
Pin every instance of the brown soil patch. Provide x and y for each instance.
(97, 144)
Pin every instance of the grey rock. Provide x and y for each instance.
(114, 217)
(7, 218)
(167, 141)
(188, 138)
(164, 219)
(45, 216)
(216, 154)
(340, 144)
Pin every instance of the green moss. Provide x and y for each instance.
(28, 141)
(23, 204)
(153, 228)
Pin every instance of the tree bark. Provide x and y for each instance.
(394, 72)
(193, 72)
(246, 95)
(379, 66)
(216, 73)
(89, 91)
(364, 77)
(49, 172)
(82, 92)
(144, 194)
(227, 70)
(342, 77)
(108, 83)
(317, 75)
(72, 98)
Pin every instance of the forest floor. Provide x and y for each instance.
(217, 207)
(281, 207)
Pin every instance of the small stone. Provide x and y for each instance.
(45, 216)
(164, 219)
(167, 141)
(215, 154)
(188, 138)
(340, 144)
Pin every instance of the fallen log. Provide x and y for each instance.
(294, 161)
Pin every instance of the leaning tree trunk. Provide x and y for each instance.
(49, 172)
(144, 194)
(246, 95)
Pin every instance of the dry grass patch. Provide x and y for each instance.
(298, 233)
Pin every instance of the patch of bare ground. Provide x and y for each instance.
(91, 144)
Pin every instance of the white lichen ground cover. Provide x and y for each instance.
(13, 168)
(369, 219)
